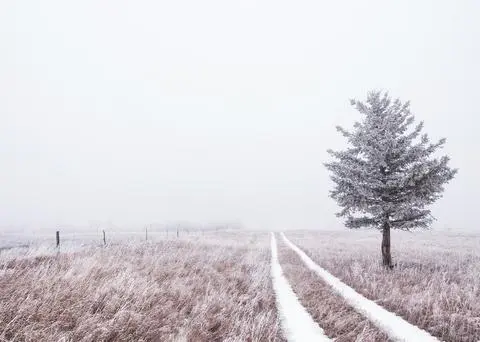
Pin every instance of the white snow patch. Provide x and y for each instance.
(297, 324)
(396, 327)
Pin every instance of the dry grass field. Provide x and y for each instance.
(186, 290)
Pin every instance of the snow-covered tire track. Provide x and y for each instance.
(296, 323)
(396, 327)
(339, 320)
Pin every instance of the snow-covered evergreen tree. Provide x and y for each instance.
(389, 174)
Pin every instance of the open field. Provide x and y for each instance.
(217, 286)
(435, 285)
(214, 290)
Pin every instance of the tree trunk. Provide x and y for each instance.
(386, 256)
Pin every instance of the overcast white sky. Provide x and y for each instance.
(141, 111)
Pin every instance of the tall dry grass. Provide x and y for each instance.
(166, 291)
(435, 285)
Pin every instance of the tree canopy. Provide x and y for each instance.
(390, 173)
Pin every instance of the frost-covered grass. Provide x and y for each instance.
(196, 289)
(216, 285)
(435, 285)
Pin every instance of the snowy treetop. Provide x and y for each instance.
(389, 174)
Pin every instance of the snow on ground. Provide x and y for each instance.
(396, 327)
(297, 324)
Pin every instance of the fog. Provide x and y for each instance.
(134, 112)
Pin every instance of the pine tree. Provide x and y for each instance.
(389, 174)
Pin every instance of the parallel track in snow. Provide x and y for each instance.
(297, 324)
(394, 326)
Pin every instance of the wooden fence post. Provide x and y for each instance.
(177, 232)
(146, 233)
(104, 239)
(58, 238)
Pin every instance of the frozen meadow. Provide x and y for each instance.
(186, 289)
(221, 286)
